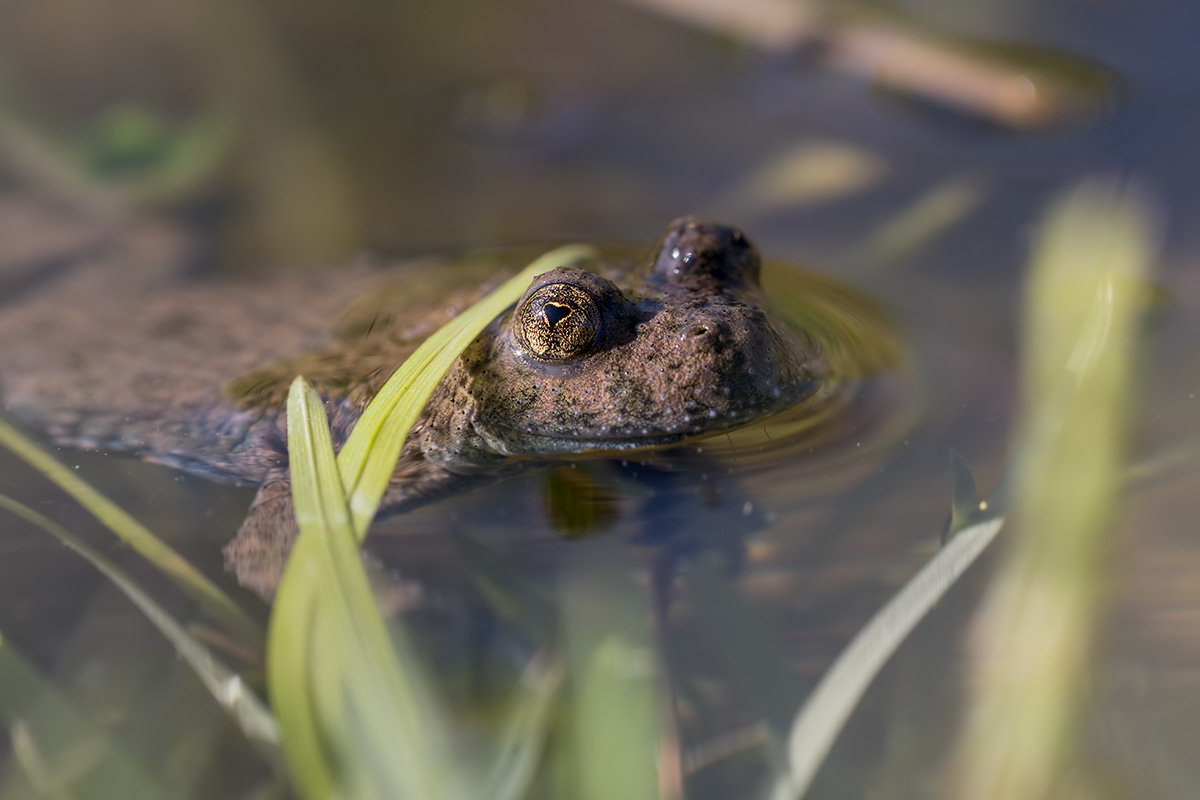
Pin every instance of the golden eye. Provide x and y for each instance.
(557, 322)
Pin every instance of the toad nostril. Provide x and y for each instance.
(697, 330)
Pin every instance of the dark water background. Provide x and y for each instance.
(407, 128)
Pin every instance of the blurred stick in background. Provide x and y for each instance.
(1010, 86)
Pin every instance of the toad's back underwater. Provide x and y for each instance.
(115, 352)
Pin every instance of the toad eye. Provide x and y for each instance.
(557, 322)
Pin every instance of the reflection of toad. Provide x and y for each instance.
(599, 360)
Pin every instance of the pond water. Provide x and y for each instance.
(601, 121)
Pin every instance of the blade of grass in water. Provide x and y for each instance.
(1085, 363)
(615, 730)
(403, 750)
(964, 503)
(359, 715)
(291, 653)
(225, 685)
(355, 717)
(930, 215)
(1041, 613)
(514, 757)
(56, 748)
(828, 708)
(187, 577)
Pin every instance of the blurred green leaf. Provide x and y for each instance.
(58, 751)
(132, 157)
(383, 731)
(927, 217)
(136, 535)
(358, 714)
(614, 677)
(225, 685)
(1040, 616)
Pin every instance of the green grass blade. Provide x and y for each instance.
(292, 644)
(361, 716)
(1041, 614)
(356, 719)
(57, 749)
(925, 219)
(175, 566)
(370, 453)
(291, 655)
(614, 676)
(515, 756)
(394, 728)
(225, 685)
(825, 712)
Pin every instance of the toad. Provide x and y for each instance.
(595, 359)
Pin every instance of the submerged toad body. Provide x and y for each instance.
(606, 359)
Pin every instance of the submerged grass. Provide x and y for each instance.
(614, 733)
(136, 535)
(225, 685)
(52, 745)
(56, 750)
(827, 709)
(1041, 614)
(357, 721)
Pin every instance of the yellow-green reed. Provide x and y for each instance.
(1032, 659)
(226, 686)
(136, 535)
(57, 751)
(358, 715)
